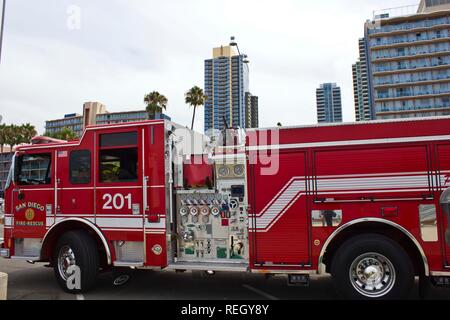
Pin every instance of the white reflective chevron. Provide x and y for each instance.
(279, 204)
(375, 183)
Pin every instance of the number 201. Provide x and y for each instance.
(116, 201)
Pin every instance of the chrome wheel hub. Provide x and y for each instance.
(66, 259)
(372, 275)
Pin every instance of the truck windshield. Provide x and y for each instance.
(10, 173)
(34, 169)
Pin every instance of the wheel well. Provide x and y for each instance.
(55, 233)
(379, 228)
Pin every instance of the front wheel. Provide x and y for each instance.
(372, 266)
(76, 261)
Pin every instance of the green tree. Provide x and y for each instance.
(195, 98)
(156, 103)
(2, 136)
(27, 132)
(13, 136)
(64, 134)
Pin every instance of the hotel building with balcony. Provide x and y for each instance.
(407, 61)
(95, 113)
(227, 91)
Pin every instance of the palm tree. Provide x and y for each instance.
(2, 136)
(195, 97)
(156, 103)
(28, 132)
(13, 136)
(64, 134)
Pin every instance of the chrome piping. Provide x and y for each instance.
(92, 226)
(439, 274)
(321, 269)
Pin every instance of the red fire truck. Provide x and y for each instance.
(367, 203)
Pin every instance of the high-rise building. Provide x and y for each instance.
(329, 103)
(226, 85)
(254, 110)
(363, 105)
(95, 113)
(251, 111)
(408, 61)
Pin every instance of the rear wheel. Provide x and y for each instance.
(372, 267)
(76, 255)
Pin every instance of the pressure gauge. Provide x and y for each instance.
(194, 211)
(204, 211)
(239, 170)
(184, 211)
(215, 211)
(224, 171)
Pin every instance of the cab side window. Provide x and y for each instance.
(80, 167)
(118, 157)
(35, 169)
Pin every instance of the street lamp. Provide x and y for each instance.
(3, 27)
(233, 43)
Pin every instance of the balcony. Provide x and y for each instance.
(411, 56)
(407, 43)
(412, 96)
(411, 83)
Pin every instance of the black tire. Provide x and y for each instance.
(379, 253)
(86, 255)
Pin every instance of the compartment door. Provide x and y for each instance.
(279, 228)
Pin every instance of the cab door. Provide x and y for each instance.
(75, 187)
(118, 195)
(33, 200)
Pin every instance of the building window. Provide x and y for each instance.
(80, 167)
(35, 169)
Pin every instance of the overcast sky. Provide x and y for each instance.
(124, 48)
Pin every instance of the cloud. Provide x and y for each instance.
(125, 48)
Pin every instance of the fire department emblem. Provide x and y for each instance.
(157, 249)
(29, 214)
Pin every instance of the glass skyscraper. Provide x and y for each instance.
(407, 59)
(329, 103)
(226, 85)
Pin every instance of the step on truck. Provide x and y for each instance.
(367, 203)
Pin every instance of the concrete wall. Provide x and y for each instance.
(3, 285)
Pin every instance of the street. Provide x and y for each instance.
(36, 282)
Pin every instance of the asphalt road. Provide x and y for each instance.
(37, 282)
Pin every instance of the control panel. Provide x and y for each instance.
(212, 225)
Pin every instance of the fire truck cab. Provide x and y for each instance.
(368, 203)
